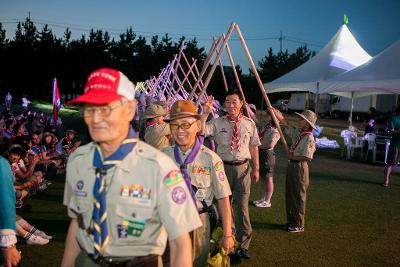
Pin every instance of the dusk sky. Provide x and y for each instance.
(374, 23)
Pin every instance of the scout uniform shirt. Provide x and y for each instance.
(268, 135)
(157, 135)
(147, 201)
(207, 174)
(303, 143)
(222, 130)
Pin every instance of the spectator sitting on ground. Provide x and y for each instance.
(27, 176)
(68, 142)
(19, 129)
(8, 131)
(46, 164)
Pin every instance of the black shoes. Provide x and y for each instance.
(243, 253)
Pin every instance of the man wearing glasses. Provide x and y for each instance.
(123, 196)
(204, 174)
(237, 143)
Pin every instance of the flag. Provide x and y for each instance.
(56, 101)
(345, 19)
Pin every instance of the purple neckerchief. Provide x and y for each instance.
(189, 159)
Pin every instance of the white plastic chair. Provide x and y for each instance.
(370, 138)
(351, 142)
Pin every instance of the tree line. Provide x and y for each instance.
(35, 56)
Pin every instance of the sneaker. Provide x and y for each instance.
(263, 204)
(43, 234)
(292, 229)
(243, 253)
(36, 240)
(18, 203)
(255, 202)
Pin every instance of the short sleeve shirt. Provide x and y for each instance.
(207, 174)
(270, 135)
(394, 124)
(222, 130)
(157, 135)
(147, 201)
(303, 144)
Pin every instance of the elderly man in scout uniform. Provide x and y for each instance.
(237, 140)
(123, 196)
(203, 171)
(297, 177)
(157, 132)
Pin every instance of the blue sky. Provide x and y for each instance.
(374, 23)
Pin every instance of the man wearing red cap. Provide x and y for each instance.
(123, 196)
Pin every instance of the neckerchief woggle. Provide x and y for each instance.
(189, 159)
(99, 216)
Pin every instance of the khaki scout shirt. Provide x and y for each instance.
(147, 201)
(306, 146)
(222, 130)
(271, 135)
(206, 173)
(157, 135)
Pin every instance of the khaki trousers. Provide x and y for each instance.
(240, 182)
(297, 181)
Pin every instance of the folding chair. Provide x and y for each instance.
(370, 138)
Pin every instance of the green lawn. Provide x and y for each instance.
(351, 220)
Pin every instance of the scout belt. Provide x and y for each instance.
(140, 261)
(236, 162)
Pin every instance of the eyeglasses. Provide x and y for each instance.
(103, 111)
(185, 125)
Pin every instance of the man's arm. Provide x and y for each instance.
(224, 209)
(181, 251)
(72, 248)
(255, 171)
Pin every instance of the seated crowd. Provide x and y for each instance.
(37, 151)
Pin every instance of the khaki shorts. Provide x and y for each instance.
(393, 157)
(267, 163)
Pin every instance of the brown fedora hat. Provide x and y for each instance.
(182, 109)
(309, 116)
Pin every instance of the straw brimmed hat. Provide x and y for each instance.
(154, 111)
(182, 109)
(309, 117)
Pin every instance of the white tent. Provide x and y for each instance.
(379, 75)
(341, 54)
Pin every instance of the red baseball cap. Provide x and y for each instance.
(104, 86)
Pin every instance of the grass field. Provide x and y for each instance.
(351, 220)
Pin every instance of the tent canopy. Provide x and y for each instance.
(341, 54)
(380, 75)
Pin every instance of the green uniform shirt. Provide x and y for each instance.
(394, 124)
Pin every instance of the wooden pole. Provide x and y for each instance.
(261, 86)
(222, 70)
(207, 81)
(177, 63)
(204, 68)
(228, 51)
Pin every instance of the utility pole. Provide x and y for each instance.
(280, 42)
(29, 15)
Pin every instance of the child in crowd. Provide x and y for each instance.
(297, 177)
(269, 136)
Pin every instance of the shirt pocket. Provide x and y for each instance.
(83, 211)
(130, 223)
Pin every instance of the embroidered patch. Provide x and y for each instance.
(201, 170)
(79, 193)
(136, 192)
(178, 195)
(200, 194)
(172, 178)
(131, 228)
(219, 166)
(311, 144)
(221, 176)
